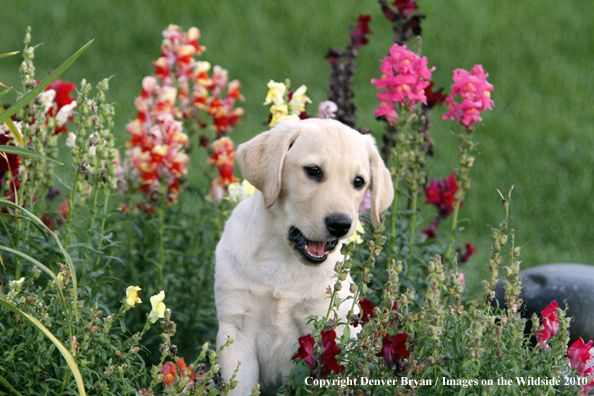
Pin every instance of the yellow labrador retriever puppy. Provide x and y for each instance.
(277, 253)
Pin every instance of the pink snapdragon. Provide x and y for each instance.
(405, 76)
(327, 109)
(476, 96)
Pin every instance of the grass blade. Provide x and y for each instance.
(67, 257)
(8, 386)
(23, 152)
(22, 102)
(69, 358)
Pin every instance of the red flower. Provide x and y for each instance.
(169, 371)
(224, 159)
(361, 31)
(13, 159)
(470, 250)
(63, 91)
(329, 362)
(441, 194)
(433, 98)
(305, 352)
(394, 348)
(431, 231)
(550, 323)
(181, 363)
(579, 355)
(549, 315)
(366, 312)
(63, 98)
(405, 7)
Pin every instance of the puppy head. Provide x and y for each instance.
(313, 175)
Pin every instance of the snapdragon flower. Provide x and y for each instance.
(405, 76)
(475, 92)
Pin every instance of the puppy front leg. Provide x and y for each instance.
(242, 350)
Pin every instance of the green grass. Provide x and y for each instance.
(539, 137)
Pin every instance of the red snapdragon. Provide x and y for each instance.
(305, 352)
(393, 349)
(366, 312)
(550, 323)
(470, 250)
(329, 362)
(168, 371)
(441, 193)
(224, 160)
(329, 353)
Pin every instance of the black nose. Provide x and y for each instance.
(338, 224)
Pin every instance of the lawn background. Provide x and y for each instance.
(539, 54)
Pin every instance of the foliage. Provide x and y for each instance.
(415, 321)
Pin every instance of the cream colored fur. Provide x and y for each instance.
(264, 291)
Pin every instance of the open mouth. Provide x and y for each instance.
(314, 252)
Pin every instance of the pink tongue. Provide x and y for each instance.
(316, 248)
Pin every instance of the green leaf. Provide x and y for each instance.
(69, 358)
(22, 102)
(5, 92)
(67, 257)
(7, 54)
(23, 152)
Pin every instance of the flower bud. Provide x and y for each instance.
(508, 271)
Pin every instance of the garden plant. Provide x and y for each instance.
(96, 242)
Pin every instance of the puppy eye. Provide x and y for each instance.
(358, 182)
(314, 172)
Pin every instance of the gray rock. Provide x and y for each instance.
(571, 284)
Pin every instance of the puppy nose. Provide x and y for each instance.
(338, 224)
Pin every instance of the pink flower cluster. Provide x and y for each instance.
(580, 358)
(180, 89)
(405, 76)
(476, 96)
(550, 323)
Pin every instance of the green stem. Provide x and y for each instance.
(453, 231)
(413, 216)
(102, 226)
(395, 211)
(161, 246)
(71, 210)
(91, 224)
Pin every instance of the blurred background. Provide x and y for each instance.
(538, 53)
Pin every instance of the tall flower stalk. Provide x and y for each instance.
(475, 92)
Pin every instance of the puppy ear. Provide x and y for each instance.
(382, 188)
(261, 159)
